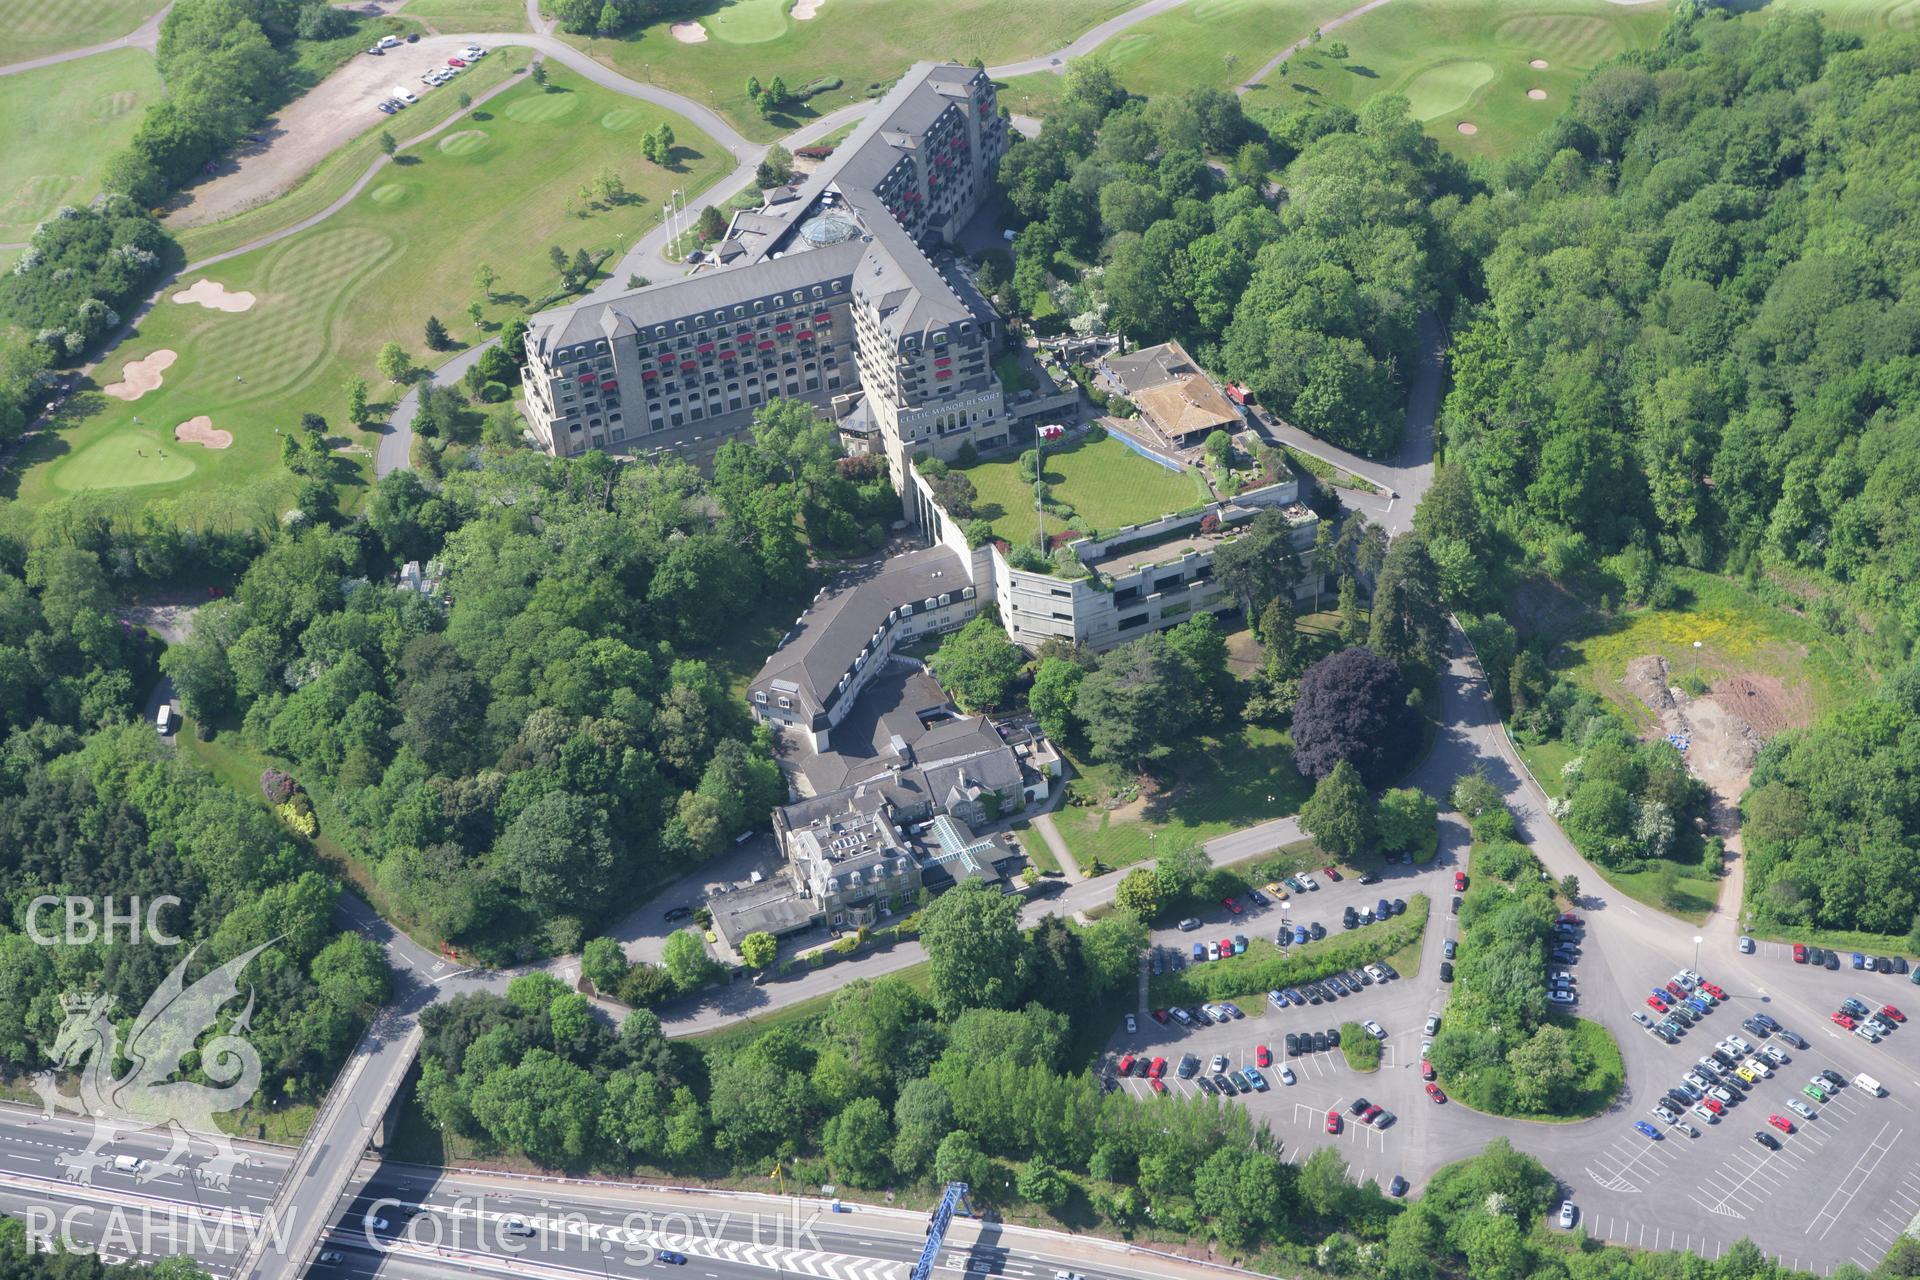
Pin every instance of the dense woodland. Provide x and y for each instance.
(93, 805)
(1311, 303)
(510, 752)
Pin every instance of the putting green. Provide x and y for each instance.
(465, 142)
(1562, 38)
(748, 21)
(123, 460)
(622, 118)
(1436, 91)
(390, 193)
(545, 108)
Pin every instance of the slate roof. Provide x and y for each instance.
(689, 295)
(843, 618)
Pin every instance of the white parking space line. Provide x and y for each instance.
(1856, 1178)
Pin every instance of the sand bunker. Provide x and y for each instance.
(1538, 95)
(215, 297)
(1468, 127)
(805, 9)
(138, 377)
(689, 32)
(1538, 64)
(200, 431)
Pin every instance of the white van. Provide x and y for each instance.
(1868, 1084)
(129, 1164)
(388, 42)
(164, 720)
(404, 95)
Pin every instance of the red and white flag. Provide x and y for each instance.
(1052, 431)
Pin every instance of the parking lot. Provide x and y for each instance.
(1323, 1081)
(1841, 1187)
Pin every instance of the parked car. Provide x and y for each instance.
(1189, 924)
(1746, 945)
(1333, 1121)
(1374, 1029)
(1434, 1091)
(1446, 971)
(1258, 898)
(1766, 1139)
(1647, 1129)
(1801, 1109)
(1799, 953)
(1132, 1025)
(1398, 1187)
(1231, 905)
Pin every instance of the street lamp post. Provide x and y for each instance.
(1696, 952)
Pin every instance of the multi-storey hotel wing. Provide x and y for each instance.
(827, 294)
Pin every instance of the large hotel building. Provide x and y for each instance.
(826, 294)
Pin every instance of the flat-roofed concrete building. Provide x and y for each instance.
(826, 294)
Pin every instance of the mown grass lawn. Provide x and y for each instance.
(1466, 60)
(1204, 42)
(471, 15)
(866, 44)
(1106, 483)
(58, 128)
(35, 28)
(1215, 785)
(328, 298)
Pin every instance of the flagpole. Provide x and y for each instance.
(1039, 470)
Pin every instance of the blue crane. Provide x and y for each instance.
(955, 1197)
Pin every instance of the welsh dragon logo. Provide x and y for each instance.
(147, 1096)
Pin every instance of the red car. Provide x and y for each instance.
(1426, 1069)
(1125, 1067)
(1674, 989)
(1799, 953)
(1226, 948)
(1230, 905)
(1262, 1056)
(1781, 1123)
(1368, 1116)
(1888, 1011)
(1160, 1016)
(456, 62)
(1433, 1091)
(1158, 1069)
(1567, 917)
(1841, 1020)
(1459, 882)
(1715, 991)
(1657, 1005)
(1333, 1121)
(1331, 873)
(1714, 1105)
(1159, 1086)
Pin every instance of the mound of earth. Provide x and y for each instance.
(1647, 680)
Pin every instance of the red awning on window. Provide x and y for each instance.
(944, 373)
(767, 345)
(823, 317)
(805, 335)
(783, 327)
(943, 362)
(727, 354)
(688, 366)
(705, 348)
(648, 374)
(609, 385)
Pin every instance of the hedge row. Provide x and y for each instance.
(1265, 966)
